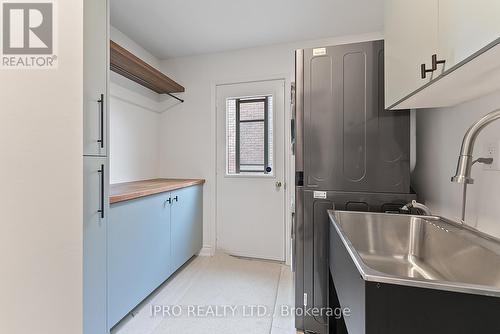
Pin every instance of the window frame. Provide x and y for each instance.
(251, 173)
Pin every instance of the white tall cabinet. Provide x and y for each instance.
(95, 166)
(415, 30)
(95, 76)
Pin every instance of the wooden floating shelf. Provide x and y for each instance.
(127, 64)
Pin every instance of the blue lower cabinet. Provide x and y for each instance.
(95, 210)
(187, 224)
(148, 240)
(139, 257)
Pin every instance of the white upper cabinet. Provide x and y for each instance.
(411, 37)
(465, 27)
(452, 30)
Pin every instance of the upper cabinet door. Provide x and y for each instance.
(95, 76)
(411, 35)
(457, 40)
(465, 27)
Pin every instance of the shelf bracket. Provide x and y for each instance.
(175, 97)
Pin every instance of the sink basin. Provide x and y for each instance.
(420, 251)
(413, 274)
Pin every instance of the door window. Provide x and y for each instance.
(249, 136)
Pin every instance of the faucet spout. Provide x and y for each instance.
(414, 204)
(464, 166)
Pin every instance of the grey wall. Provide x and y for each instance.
(439, 136)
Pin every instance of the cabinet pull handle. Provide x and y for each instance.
(424, 71)
(101, 108)
(176, 198)
(169, 201)
(101, 210)
(292, 241)
(435, 62)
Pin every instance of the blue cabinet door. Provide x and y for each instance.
(95, 199)
(139, 251)
(187, 228)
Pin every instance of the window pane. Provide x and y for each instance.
(252, 111)
(252, 144)
(251, 169)
(246, 139)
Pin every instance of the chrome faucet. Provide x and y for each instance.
(463, 174)
(465, 161)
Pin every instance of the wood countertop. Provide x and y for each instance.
(120, 192)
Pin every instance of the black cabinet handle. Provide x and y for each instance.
(169, 201)
(101, 135)
(435, 62)
(101, 210)
(176, 198)
(424, 71)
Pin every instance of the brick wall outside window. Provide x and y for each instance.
(251, 136)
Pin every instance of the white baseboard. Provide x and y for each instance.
(252, 255)
(207, 250)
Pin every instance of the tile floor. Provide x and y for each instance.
(231, 288)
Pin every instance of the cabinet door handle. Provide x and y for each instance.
(292, 241)
(435, 62)
(176, 198)
(424, 71)
(169, 201)
(101, 210)
(101, 131)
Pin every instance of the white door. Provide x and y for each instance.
(250, 169)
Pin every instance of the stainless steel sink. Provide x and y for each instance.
(421, 251)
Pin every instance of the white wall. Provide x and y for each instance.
(124, 41)
(439, 137)
(134, 140)
(187, 130)
(41, 141)
(134, 122)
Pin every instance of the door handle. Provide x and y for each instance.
(169, 201)
(101, 131)
(176, 198)
(278, 184)
(101, 210)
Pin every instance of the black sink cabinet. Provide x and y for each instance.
(381, 308)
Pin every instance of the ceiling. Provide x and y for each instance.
(176, 28)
